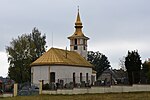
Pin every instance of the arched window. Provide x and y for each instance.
(75, 45)
(80, 77)
(75, 41)
(84, 44)
(74, 78)
(87, 77)
(52, 77)
(84, 47)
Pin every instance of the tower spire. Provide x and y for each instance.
(78, 41)
(78, 23)
(78, 28)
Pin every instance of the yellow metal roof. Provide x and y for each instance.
(55, 56)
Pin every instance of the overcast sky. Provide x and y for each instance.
(113, 26)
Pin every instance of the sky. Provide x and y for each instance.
(113, 26)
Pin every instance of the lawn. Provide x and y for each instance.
(109, 96)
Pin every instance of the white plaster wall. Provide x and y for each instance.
(80, 50)
(61, 72)
(66, 73)
(40, 73)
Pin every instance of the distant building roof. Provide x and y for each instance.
(55, 56)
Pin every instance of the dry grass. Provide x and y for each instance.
(109, 96)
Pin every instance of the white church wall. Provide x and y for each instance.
(80, 51)
(40, 73)
(66, 73)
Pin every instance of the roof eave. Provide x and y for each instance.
(84, 37)
(33, 65)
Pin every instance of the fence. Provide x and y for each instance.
(111, 89)
(27, 89)
(67, 83)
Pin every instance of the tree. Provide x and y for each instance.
(133, 66)
(122, 63)
(99, 61)
(22, 52)
(146, 72)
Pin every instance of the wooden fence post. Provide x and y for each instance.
(40, 88)
(15, 89)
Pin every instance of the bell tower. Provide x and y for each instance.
(78, 41)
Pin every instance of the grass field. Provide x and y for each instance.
(109, 96)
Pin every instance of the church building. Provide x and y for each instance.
(63, 65)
